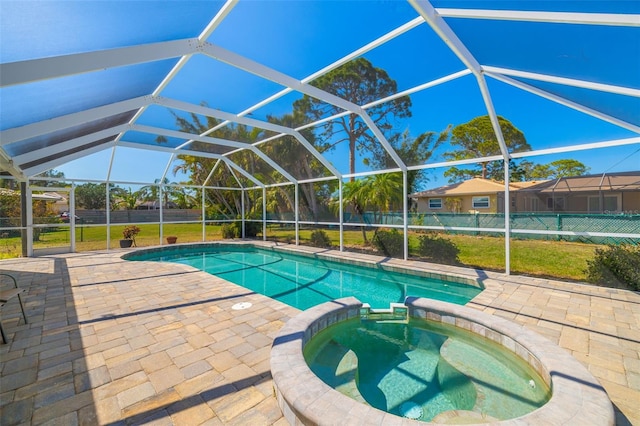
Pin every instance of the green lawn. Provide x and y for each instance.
(556, 259)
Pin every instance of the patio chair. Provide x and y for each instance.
(5, 296)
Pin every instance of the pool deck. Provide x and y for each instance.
(117, 342)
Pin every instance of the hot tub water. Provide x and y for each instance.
(422, 369)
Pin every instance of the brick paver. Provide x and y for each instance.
(117, 342)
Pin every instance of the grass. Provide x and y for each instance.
(555, 259)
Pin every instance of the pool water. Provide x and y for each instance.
(303, 282)
(423, 369)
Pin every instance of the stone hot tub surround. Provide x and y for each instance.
(577, 397)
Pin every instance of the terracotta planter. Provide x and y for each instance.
(126, 243)
(172, 239)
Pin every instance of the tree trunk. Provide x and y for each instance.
(310, 192)
(352, 146)
(288, 199)
(309, 195)
(360, 212)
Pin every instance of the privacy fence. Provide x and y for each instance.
(545, 226)
(523, 225)
(556, 224)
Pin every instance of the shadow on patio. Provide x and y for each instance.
(115, 342)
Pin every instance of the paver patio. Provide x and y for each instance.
(117, 342)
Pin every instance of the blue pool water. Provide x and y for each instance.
(428, 367)
(303, 282)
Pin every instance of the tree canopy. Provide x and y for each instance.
(91, 195)
(559, 169)
(476, 139)
(361, 83)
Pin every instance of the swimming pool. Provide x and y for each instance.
(302, 281)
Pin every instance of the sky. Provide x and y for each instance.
(299, 38)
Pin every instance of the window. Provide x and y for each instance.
(480, 202)
(555, 204)
(610, 204)
(435, 203)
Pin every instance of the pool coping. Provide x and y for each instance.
(577, 397)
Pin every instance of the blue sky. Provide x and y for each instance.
(301, 37)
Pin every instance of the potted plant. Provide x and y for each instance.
(171, 239)
(129, 233)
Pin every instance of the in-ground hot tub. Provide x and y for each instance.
(575, 395)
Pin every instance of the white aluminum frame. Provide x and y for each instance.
(23, 72)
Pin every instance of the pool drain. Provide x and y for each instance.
(240, 306)
(411, 410)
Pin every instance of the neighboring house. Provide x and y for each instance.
(47, 196)
(603, 193)
(61, 204)
(473, 195)
(155, 205)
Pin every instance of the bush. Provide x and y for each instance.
(130, 232)
(391, 243)
(438, 249)
(251, 229)
(615, 266)
(234, 230)
(319, 238)
(228, 230)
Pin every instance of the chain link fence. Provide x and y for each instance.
(552, 223)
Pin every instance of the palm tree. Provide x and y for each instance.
(383, 192)
(380, 193)
(354, 196)
(151, 192)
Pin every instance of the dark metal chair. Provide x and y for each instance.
(6, 295)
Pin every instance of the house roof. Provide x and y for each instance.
(49, 196)
(474, 186)
(624, 181)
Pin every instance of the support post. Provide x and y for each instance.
(264, 213)
(405, 212)
(297, 213)
(29, 220)
(204, 218)
(161, 196)
(23, 220)
(242, 212)
(341, 215)
(108, 214)
(507, 221)
(72, 218)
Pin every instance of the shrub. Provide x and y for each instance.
(251, 229)
(438, 249)
(130, 232)
(391, 243)
(228, 230)
(319, 238)
(615, 266)
(234, 230)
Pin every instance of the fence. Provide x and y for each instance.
(615, 224)
(548, 222)
(138, 216)
(601, 223)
